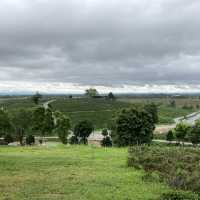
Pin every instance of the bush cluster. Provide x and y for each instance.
(179, 195)
(184, 132)
(178, 166)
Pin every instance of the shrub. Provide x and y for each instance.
(30, 139)
(194, 135)
(179, 167)
(170, 136)
(181, 131)
(106, 142)
(8, 138)
(73, 140)
(179, 195)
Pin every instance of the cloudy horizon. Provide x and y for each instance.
(122, 46)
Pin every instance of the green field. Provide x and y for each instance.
(167, 113)
(101, 111)
(72, 172)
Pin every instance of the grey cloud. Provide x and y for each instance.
(100, 42)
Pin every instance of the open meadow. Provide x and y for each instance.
(72, 172)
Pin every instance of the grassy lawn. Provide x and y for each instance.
(72, 173)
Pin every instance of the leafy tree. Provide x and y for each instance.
(181, 131)
(111, 96)
(5, 124)
(194, 135)
(62, 126)
(104, 132)
(133, 126)
(153, 111)
(38, 119)
(43, 121)
(91, 92)
(73, 140)
(48, 124)
(30, 139)
(83, 130)
(21, 122)
(36, 98)
(170, 136)
(106, 142)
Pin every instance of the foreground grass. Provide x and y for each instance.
(71, 172)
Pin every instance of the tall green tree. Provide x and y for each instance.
(83, 130)
(133, 126)
(62, 126)
(43, 122)
(181, 131)
(22, 122)
(5, 124)
(153, 111)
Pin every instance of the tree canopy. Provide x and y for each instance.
(21, 122)
(62, 126)
(91, 92)
(43, 121)
(133, 126)
(194, 135)
(83, 130)
(5, 124)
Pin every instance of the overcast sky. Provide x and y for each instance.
(127, 45)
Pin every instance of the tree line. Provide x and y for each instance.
(184, 132)
(130, 126)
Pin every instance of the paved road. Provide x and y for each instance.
(174, 142)
(46, 104)
(190, 119)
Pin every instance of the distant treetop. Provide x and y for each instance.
(91, 92)
(36, 98)
(111, 96)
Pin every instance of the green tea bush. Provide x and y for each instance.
(178, 166)
(179, 195)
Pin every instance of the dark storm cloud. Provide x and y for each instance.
(100, 42)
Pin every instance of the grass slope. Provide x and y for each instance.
(71, 172)
(99, 111)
